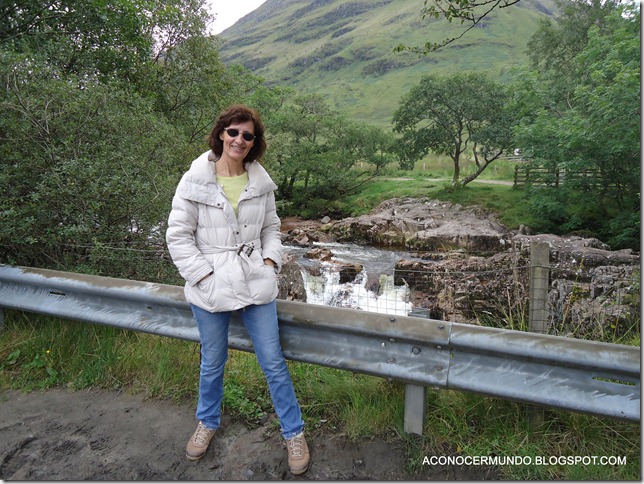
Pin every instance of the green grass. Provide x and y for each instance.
(38, 352)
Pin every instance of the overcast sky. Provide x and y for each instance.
(229, 11)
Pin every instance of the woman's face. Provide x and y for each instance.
(236, 148)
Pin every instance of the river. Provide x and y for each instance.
(326, 289)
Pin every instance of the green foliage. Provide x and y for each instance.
(106, 40)
(98, 122)
(315, 153)
(471, 425)
(76, 167)
(39, 352)
(192, 86)
(584, 100)
(623, 230)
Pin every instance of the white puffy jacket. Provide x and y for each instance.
(204, 235)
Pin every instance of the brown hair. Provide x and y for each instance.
(239, 113)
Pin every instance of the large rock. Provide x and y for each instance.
(593, 291)
(423, 224)
(573, 253)
(290, 281)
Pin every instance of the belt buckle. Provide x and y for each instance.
(246, 249)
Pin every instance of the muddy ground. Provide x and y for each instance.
(108, 435)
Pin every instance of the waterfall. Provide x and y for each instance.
(326, 289)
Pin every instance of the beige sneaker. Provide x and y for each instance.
(298, 454)
(198, 443)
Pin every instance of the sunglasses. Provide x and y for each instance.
(233, 133)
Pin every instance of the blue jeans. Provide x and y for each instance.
(261, 324)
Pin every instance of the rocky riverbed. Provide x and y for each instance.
(465, 266)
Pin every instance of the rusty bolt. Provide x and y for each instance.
(415, 350)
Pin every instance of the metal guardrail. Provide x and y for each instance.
(583, 376)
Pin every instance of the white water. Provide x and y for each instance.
(326, 289)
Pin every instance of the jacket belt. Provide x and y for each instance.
(241, 248)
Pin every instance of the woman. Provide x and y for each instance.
(223, 236)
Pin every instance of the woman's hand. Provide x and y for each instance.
(269, 262)
(205, 277)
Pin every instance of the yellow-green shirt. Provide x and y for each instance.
(233, 187)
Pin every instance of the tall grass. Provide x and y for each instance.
(38, 352)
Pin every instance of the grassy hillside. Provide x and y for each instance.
(344, 49)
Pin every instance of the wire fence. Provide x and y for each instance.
(600, 303)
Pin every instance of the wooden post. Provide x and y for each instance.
(539, 275)
(539, 283)
(516, 175)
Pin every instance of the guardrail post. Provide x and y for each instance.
(539, 275)
(415, 408)
(415, 395)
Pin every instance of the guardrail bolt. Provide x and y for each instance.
(438, 368)
(415, 350)
(392, 320)
(441, 326)
(392, 360)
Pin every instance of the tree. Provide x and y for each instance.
(553, 48)
(455, 115)
(109, 40)
(315, 154)
(192, 86)
(84, 166)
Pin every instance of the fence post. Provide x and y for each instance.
(539, 275)
(539, 278)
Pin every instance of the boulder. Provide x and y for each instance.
(424, 225)
(593, 291)
(290, 282)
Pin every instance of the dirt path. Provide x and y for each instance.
(489, 182)
(106, 435)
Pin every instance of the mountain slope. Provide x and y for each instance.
(343, 49)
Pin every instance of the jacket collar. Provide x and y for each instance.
(203, 169)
